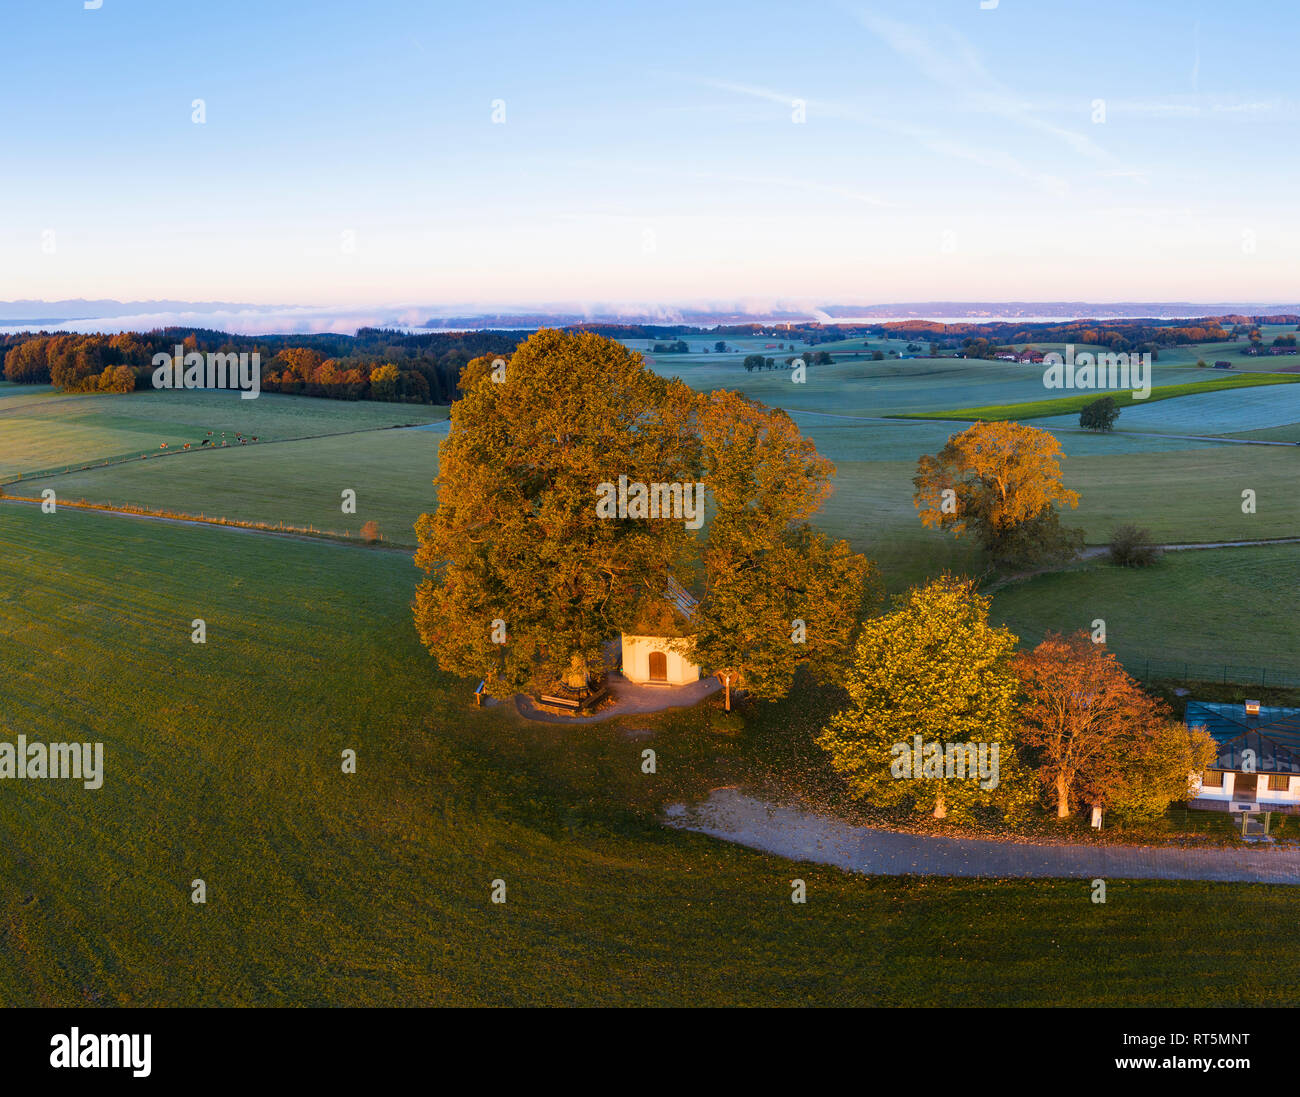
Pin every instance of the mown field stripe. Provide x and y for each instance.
(1064, 405)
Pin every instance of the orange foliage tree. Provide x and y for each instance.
(1099, 738)
(1002, 482)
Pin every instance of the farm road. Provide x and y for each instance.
(802, 835)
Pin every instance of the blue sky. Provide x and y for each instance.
(650, 152)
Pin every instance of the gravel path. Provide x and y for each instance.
(801, 835)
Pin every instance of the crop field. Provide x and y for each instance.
(222, 762)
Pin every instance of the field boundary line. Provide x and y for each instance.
(292, 533)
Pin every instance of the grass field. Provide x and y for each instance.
(1243, 408)
(42, 430)
(891, 387)
(1064, 405)
(297, 483)
(1182, 491)
(222, 763)
(1234, 606)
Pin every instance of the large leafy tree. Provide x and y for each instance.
(778, 594)
(935, 667)
(516, 549)
(1099, 738)
(1000, 481)
(1100, 415)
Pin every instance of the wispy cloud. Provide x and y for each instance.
(1196, 106)
(954, 64)
(931, 140)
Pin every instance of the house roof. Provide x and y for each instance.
(668, 615)
(1273, 735)
(683, 599)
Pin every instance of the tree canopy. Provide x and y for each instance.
(1100, 740)
(1100, 415)
(518, 551)
(1000, 481)
(935, 668)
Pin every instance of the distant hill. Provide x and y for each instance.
(109, 315)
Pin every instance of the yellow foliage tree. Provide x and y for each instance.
(1002, 482)
(934, 669)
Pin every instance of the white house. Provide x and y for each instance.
(651, 652)
(1258, 765)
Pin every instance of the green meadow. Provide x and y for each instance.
(1124, 398)
(41, 430)
(1183, 491)
(223, 759)
(1209, 606)
(222, 763)
(892, 387)
(297, 483)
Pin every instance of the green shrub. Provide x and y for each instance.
(1131, 547)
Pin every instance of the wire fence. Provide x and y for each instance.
(1185, 670)
(86, 466)
(1223, 673)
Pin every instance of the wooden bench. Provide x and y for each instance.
(571, 703)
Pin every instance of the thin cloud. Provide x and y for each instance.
(931, 140)
(955, 65)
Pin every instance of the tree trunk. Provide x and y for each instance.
(726, 682)
(1062, 797)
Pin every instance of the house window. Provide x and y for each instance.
(1213, 779)
(1278, 782)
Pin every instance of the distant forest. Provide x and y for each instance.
(375, 364)
(380, 364)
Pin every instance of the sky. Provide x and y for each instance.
(649, 153)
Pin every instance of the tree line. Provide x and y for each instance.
(375, 364)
